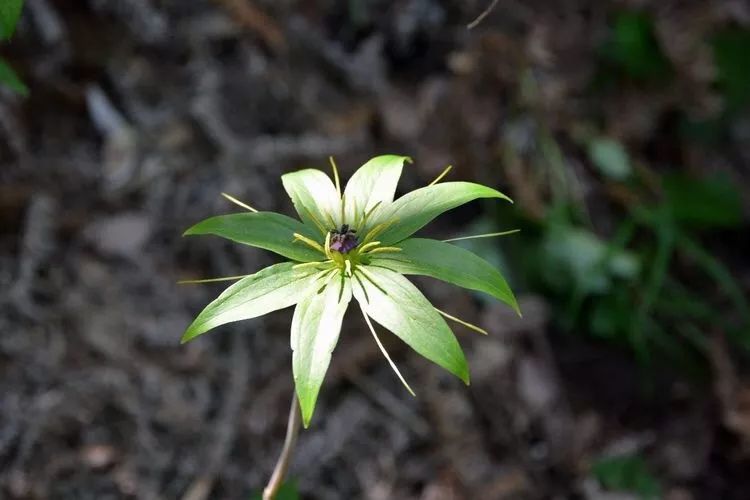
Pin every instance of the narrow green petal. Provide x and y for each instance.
(373, 182)
(270, 289)
(416, 209)
(315, 331)
(314, 197)
(450, 263)
(267, 230)
(396, 304)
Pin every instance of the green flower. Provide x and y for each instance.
(352, 245)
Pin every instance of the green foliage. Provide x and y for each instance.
(288, 491)
(610, 158)
(650, 283)
(634, 49)
(627, 474)
(711, 202)
(327, 275)
(577, 256)
(10, 12)
(9, 78)
(731, 54)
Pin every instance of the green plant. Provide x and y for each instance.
(10, 12)
(627, 473)
(356, 244)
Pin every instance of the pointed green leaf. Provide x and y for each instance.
(315, 331)
(411, 317)
(10, 11)
(449, 263)
(270, 289)
(416, 209)
(267, 230)
(314, 197)
(9, 78)
(373, 182)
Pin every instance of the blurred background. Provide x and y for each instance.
(621, 130)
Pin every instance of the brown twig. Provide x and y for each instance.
(282, 464)
(481, 16)
(254, 19)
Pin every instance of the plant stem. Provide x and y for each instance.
(282, 464)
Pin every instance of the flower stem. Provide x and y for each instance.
(282, 464)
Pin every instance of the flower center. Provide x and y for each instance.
(344, 240)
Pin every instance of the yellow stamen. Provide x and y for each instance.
(385, 353)
(328, 246)
(364, 248)
(343, 209)
(366, 216)
(379, 229)
(311, 243)
(335, 175)
(487, 235)
(330, 220)
(238, 202)
(310, 264)
(465, 323)
(316, 221)
(385, 250)
(348, 266)
(443, 174)
(212, 280)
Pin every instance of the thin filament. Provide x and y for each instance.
(335, 175)
(238, 202)
(443, 174)
(385, 250)
(462, 322)
(379, 229)
(487, 235)
(212, 280)
(385, 353)
(311, 243)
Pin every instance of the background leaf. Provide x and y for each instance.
(9, 78)
(610, 158)
(731, 54)
(267, 230)
(411, 317)
(634, 49)
(711, 202)
(10, 11)
(288, 491)
(627, 473)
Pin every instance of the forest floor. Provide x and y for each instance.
(142, 112)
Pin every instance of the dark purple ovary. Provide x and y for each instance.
(344, 240)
